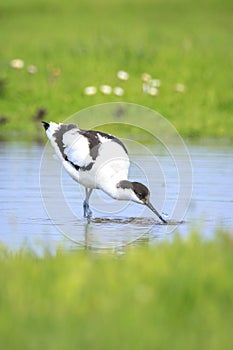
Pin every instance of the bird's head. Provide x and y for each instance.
(139, 193)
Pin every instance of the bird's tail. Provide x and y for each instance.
(45, 125)
(50, 128)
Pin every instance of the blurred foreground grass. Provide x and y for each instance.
(74, 44)
(175, 295)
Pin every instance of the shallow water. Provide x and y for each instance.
(36, 213)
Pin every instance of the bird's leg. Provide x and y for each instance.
(87, 213)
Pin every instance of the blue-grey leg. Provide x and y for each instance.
(86, 210)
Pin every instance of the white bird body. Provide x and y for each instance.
(104, 174)
(96, 160)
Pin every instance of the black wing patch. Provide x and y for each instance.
(113, 138)
(83, 168)
(58, 135)
(93, 140)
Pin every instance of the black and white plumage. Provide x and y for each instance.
(96, 160)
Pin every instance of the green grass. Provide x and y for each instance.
(175, 295)
(177, 41)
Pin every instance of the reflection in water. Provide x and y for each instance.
(112, 233)
(120, 231)
(24, 220)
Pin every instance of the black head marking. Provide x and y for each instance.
(125, 184)
(141, 191)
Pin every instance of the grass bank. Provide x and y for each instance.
(176, 295)
(77, 44)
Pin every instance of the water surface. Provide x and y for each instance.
(26, 212)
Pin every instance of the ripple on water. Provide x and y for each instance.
(144, 221)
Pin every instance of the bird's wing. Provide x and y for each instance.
(103, 137)
(84, 147)
(77, 149)
(113, 165)
(69, 144)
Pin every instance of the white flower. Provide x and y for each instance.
(153, 91)
(146, 77)
(150, 90)
(32, 69)
(106, 89)
(179, 87)
(155, 83)
(118, 91)
(17, 63)
(90, 90)
(122, 75)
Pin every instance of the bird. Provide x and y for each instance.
(97, 160)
